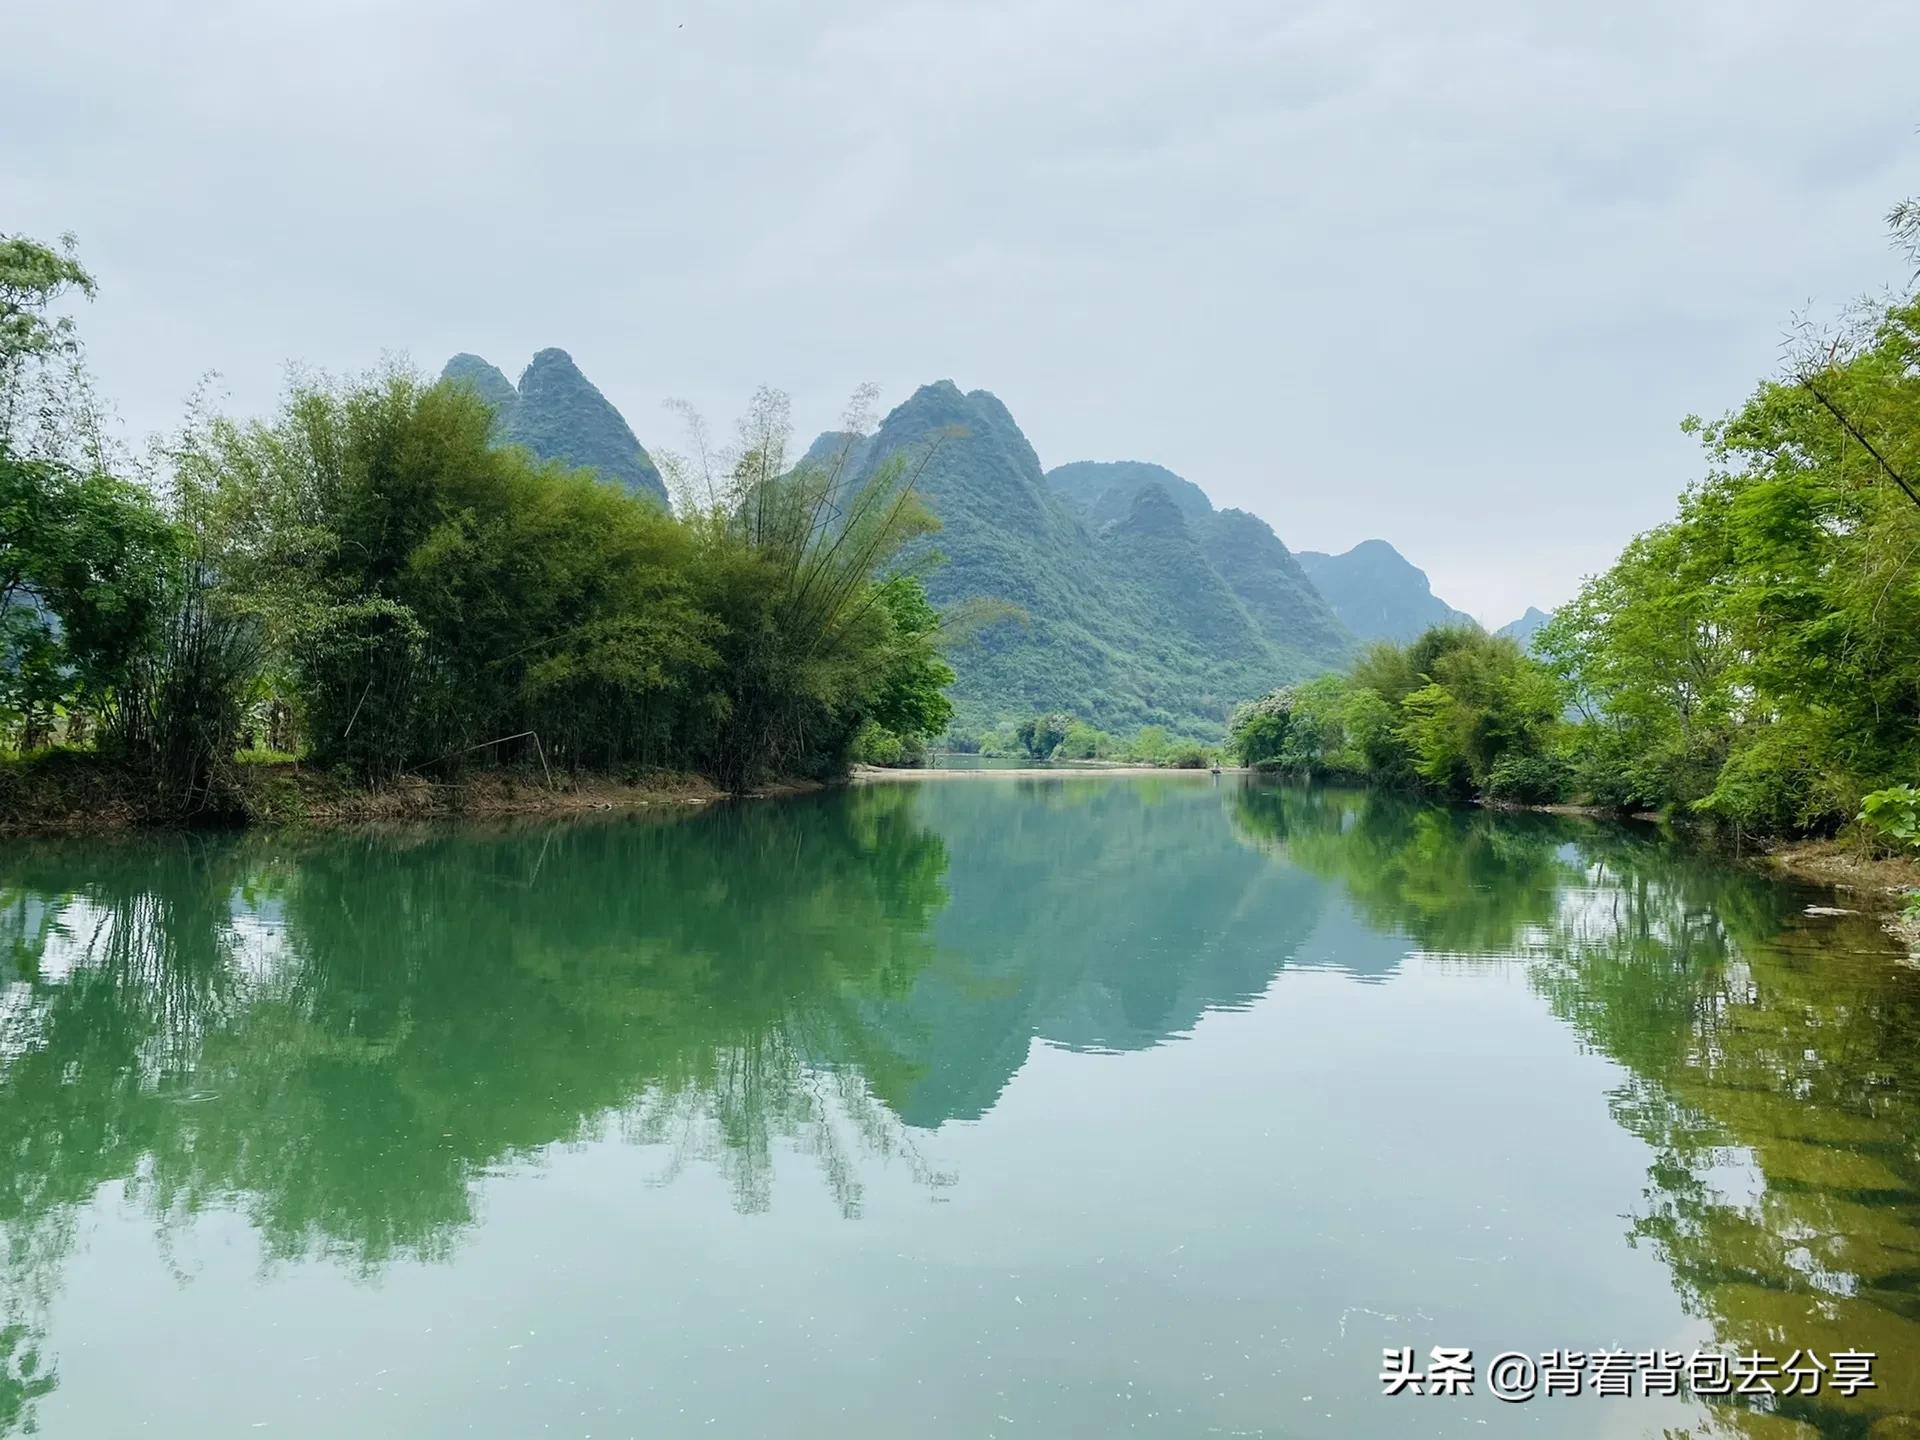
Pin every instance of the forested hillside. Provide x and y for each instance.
(1241, 548)
(558, 415)
(1378, 593)
(1139, 604)
(1270, 583)
(1104, 489)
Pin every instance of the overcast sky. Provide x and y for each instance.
(1444, 273)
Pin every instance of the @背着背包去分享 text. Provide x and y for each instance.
(1517, 1376)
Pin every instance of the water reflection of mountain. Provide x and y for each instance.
(342, 1036)
(1092, 916)
(347, 1031)
(1342, 941)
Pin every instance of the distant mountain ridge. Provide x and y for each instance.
(1103, 489)
(558, 414)
(1144, 605)
(1378, 593)
(1522, 631)
(1241, 547)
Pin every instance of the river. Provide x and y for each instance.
(1076, 1106)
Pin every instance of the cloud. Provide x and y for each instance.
(1448, 274)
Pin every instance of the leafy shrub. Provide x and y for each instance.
(1151, 745)
(1002, 742)
(877, 746)
(1081, 742)
(1530, 779)
(1040, 735)
(1775, 783)
(1893, 815)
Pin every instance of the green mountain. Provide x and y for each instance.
(1270, 583)
(1522, 631)
(1142, 603)
(1241, 548)
(492, 386)
(843, 451)
(558, 415)
(1154, 546)
(1163, 612)
(1377, 593)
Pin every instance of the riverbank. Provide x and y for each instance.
(1876, 884)
(78, 794)
(864, 773)
(1880, 884)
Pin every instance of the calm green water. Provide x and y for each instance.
(1066, 1107)
(955, 760)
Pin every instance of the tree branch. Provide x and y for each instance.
(1834, 410)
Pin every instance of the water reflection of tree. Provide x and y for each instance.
(1771, 1062)
(1457, 881)
(1789, 1053)
(342, 1036)
(756, 1098)
(144, 973)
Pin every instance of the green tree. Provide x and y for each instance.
(1084, 742)
(1757, 659)
(1040, 735)
(32, 277)
(82, 559)
(85, 557)
(911, 703)
(1151, 745)
(1258, 731)
(426, 593)
(802, 559)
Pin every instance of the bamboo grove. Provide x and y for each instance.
(366, 579)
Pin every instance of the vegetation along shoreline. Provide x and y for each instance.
(381, 599)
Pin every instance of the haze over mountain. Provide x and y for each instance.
(558, 415)
(1523, 630)
(1378, 593)
(1103, 489)
(1241, 548)
(1143, 604)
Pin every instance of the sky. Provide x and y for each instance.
(1448, 274)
